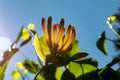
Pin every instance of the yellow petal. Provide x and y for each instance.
(70, 39)
(67, 35)
(111, 18)
(19, 65)
(44, 28)
(50, 32)
(15, 74)
(31, 26)
(62, 23)
(24, 70)
(25, 34)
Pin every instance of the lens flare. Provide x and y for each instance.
(4, 43)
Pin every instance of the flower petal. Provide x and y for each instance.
(44, 28)
(49, 25)
(70, 39)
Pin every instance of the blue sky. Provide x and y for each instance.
(88, 17)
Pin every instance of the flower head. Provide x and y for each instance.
(59, 39)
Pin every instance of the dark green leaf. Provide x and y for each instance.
(91, 61)
(93, 75)
(101, 43)
(118, 70)
(78, 56)
(31, 66)
(57, 60)
(109, 74)
(67, 75)
(52, 73)
(117, 17)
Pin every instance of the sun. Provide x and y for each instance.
(4, 43)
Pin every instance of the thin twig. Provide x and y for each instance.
(39, 72)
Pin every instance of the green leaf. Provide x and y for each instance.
(118, 70)
(58, 73)
(15, 74)
(67, 75)
(78, 56)
(75, 50)
(79, 68)
(52, 73)
(2, 69)
(101, 43)
(40, 77)
(41, 47)
(31, 66)
(117, 17)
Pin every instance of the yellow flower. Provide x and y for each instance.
(31, 26)
(58, 41)
(15, 74)
(19, 65)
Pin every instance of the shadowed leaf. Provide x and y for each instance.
(52, 73)
(31, 66)
(101, 43)
(67, 75)
(78, 56)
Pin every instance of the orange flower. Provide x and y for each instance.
(58, 41)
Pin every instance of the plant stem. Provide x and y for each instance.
(113, 62)
(82, 69)
(39, 72)
(22, 76)
(111, 27)
(22, 54)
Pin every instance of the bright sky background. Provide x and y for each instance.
(88, 17)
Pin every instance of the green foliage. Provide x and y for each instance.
(7, 55)
(70, 65)
(110, 74)
(78, 56)
(67, 74)
(3, 63)
(41, 47)
(101, 43)
(51, 72)
(79, 68)
(2, 69)
(31, 66)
